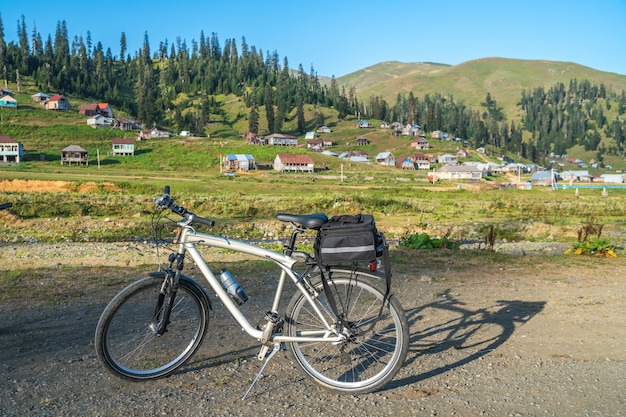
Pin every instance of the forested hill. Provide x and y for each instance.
(183, 86)
(503, 78)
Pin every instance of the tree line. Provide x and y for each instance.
(175, 85)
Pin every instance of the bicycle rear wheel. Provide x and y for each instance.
(129, 347)
(374, 348)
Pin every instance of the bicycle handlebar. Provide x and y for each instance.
(167, 202)
(5, 206)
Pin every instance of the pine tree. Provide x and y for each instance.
(300, 113)
(319, 116)
(122, 46)
(269, 107)
(253, 118)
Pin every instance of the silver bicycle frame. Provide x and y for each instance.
(189, 238)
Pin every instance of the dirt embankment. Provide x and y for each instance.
(38, 186)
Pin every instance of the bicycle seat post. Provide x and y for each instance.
(290, 247)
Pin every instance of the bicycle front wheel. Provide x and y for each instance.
(374, 348)
(129, 346)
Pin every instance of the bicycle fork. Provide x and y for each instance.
(167, 295)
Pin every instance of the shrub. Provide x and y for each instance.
(591, 242)
(424, 241)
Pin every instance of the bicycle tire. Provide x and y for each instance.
(367, 360)
(128, 347)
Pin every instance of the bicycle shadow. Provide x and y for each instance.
(447, 331)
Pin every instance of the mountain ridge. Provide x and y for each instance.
(470, 81)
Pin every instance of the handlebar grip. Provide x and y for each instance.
(166, 190)
(5, 206)
(203, 221)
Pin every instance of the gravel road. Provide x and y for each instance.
(520, 336)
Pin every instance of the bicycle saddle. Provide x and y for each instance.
(306, 221)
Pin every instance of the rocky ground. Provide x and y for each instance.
(514, 335)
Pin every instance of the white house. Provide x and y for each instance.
(459, 172)
(613, 178)
(123, 147)
(447, 158)
(99, 121)
(385, 158)
(291, 162)
(575, 175)
(10, 150)
(278, 139)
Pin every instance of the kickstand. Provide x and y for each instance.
(267, 359)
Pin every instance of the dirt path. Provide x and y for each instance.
(505, 336)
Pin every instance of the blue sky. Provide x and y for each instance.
(341, 36)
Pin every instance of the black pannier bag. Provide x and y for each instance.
(352, 239)
(349, 238)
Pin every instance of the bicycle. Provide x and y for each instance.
(154, 325)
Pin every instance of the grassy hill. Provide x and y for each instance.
(46, 132)
(504, 79)
(403, 201)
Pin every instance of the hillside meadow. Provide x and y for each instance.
(112, 197)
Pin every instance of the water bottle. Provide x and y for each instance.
(232, 287)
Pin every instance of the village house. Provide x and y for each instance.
(58, 102)
(421, 144)
(575, 176)
(418, 160)
(364, 124)
(239, 162)
(421, 160)
(5, 92)
(123, 147)
(323, 129)
(291, 162)
(411, 130)
(612, 178)
(153, 133)
(10, 150)
(362, 140)
(436, 134)
(309, 135)
(94, 109)
(98, 121)
(458, 172)
(314, 145)
(126, 124)
(356, 156)
(448, 159)
(405, 163)
(385, 158)
(74, 154)
(8, 102)
(397, 126)
(254, 139)
(488, 168)
(40, 98)
(462, 153)
(545, 178)
(279, 139)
